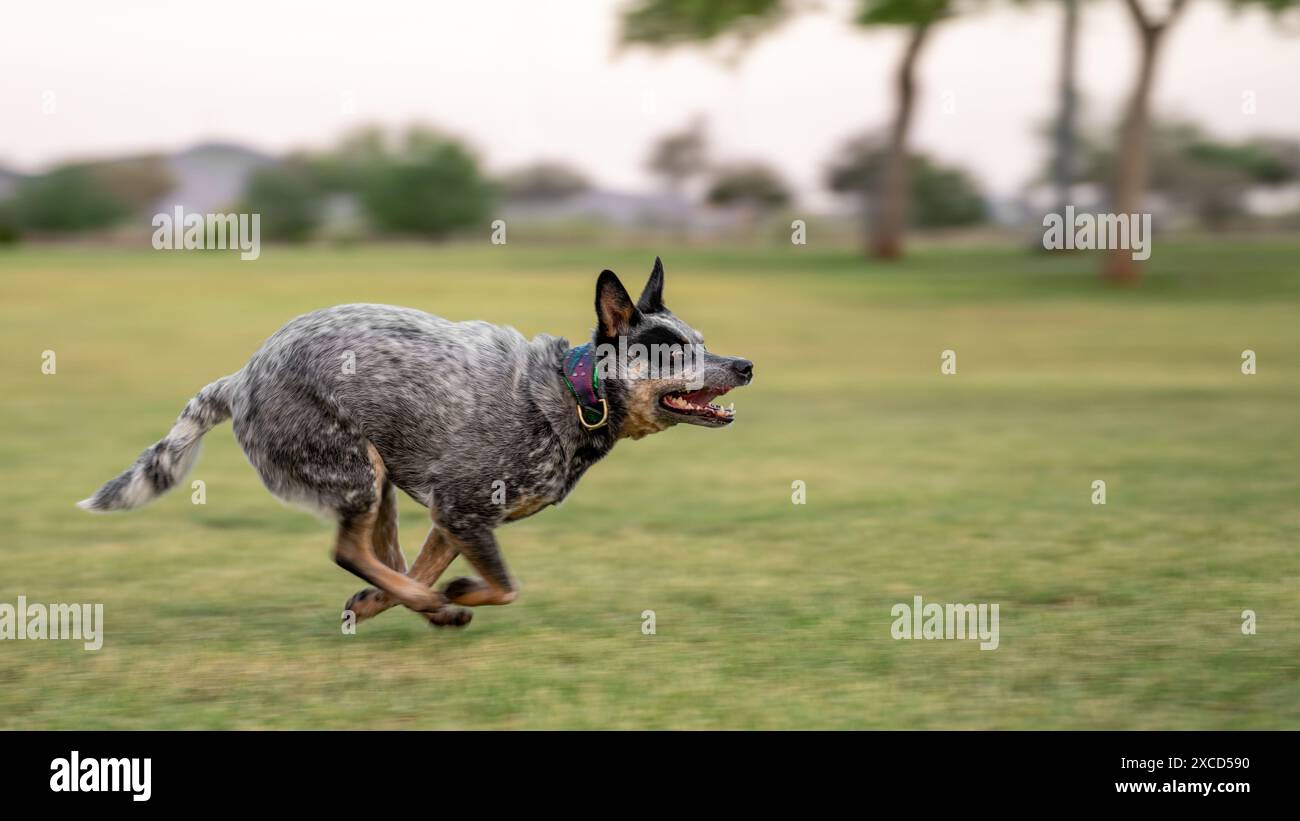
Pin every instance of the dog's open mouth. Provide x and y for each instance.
(699, 404)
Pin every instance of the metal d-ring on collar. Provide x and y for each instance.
(579, 373)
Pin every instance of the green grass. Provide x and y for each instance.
(967, 488)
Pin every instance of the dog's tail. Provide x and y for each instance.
(167, 461)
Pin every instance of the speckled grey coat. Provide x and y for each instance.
(470, 419)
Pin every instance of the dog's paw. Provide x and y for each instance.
(450, 617)
(367, 603)
(464, 585)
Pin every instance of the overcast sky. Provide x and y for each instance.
(524, 79)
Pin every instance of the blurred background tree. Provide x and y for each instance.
(419, 183)
(680, 156)
(1065, 127)
(673, 22)
(1132, 169)
(288, 196)
(10, 228)
(1131, 172)
(891, 204)
(135, 183)
(668, 23)
(1205, 177)
(355, 159)
(544, 181)
(69, 198)
(939, 197)
(88, 196)
(424, 183)
(751, 184)
(428, 184)
(754, 189)
(1067, 113)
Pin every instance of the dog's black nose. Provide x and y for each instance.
(745, 368)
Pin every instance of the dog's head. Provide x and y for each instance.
(658, 363)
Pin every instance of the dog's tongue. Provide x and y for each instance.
(700, 397)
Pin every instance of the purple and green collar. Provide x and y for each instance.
(579, 373)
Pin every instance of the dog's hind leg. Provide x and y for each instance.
(372, 601)
(356, 550)
(481, 550)
(438, 552)
(386, 545)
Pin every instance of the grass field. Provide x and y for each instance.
(974, 487)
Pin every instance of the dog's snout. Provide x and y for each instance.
(744, 368)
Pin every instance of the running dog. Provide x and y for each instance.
(342, 407)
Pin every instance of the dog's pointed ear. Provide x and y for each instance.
(614, 309)
(652, 298)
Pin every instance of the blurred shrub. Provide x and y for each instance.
(941, 196)
(422, 183)
(679, 156)
(944, 196)
(136, 183)
(751, 185)
(1206, 177)
(69, 198)
(544, 182)
(289, 198)
(88, 196)
(10, 230)
(426, 184)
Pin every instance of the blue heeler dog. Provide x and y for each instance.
(470, 419)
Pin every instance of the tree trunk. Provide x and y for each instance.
(1063, 170)
(1131, 163)
(892, 200)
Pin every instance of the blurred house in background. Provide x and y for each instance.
(211, 177)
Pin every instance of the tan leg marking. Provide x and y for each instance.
(437, 553)
(355, 551)
(387, 547)
(495, 587)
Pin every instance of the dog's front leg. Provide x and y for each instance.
(480, 549)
